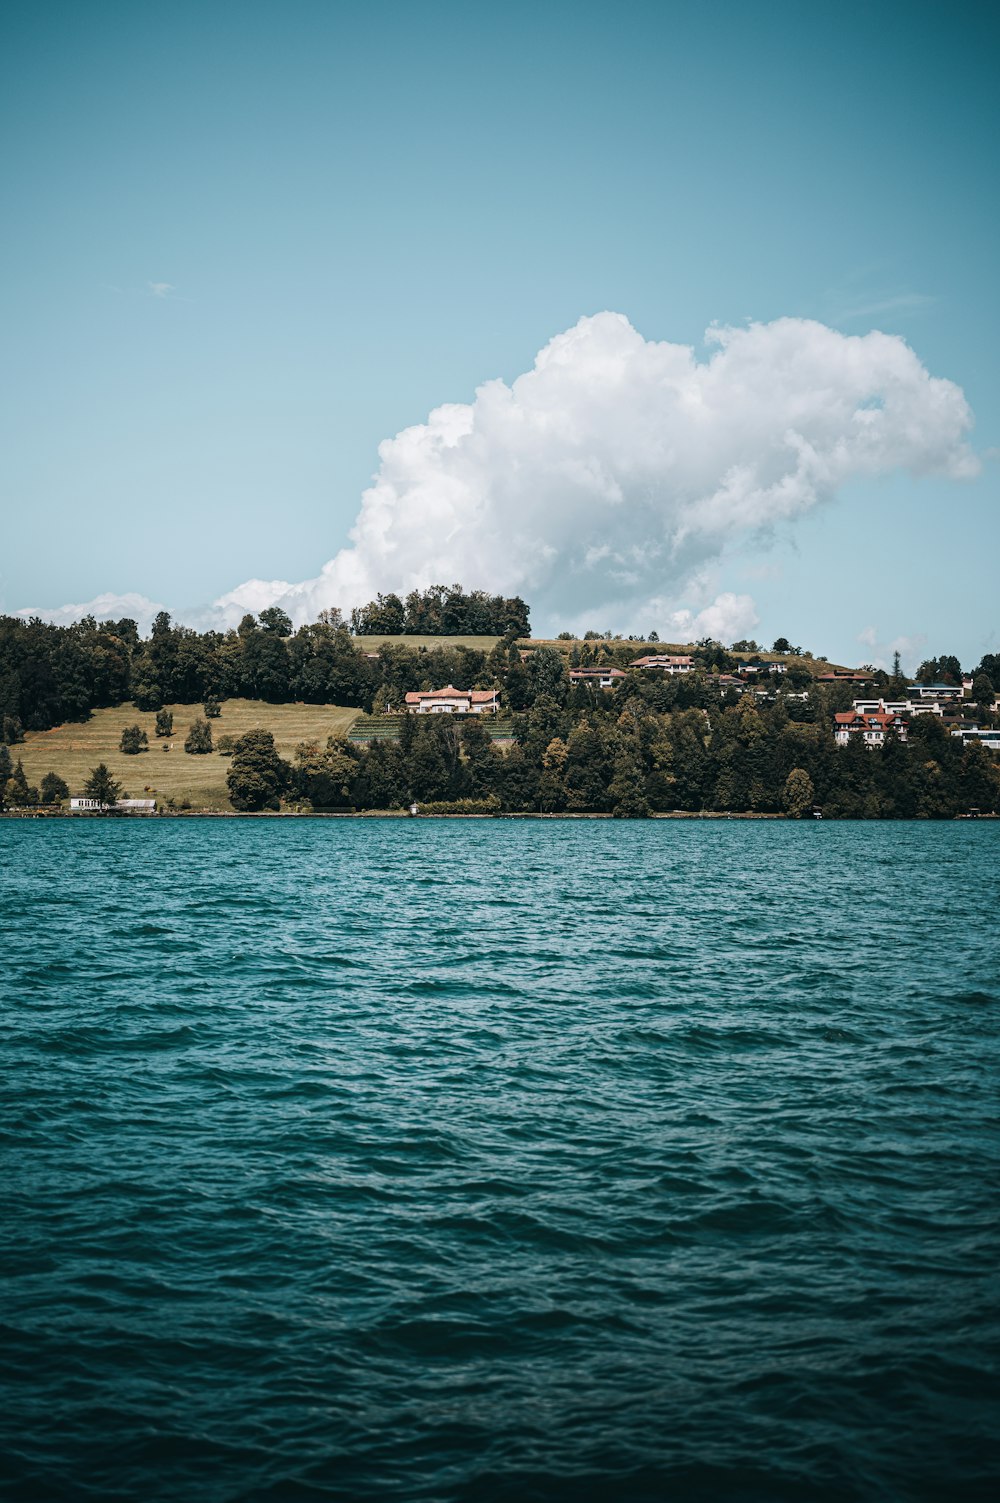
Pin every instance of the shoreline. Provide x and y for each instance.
(405, 814)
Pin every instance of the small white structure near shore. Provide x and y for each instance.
(123, 806)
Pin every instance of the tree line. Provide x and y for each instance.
(442, 610)
(654, 743)
(50, 674)
(620, 757)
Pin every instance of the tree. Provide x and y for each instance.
(53, 790)
(199, 738)
(325, 777)
(275, 620)
(164, 723)
(627, 788)
(102, 786)
(798, 794)
(983, 694)
(212, 709)
(18, 792)
(133, 741)
(257, 775)
(13, 732)
(781, 644)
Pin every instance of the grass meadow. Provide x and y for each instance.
(73, 749)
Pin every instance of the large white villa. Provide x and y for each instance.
(452, 701)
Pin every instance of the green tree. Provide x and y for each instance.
(101, 786)
(164, 723)
(798, 794)
(627, 787)
(551, 784)
(18, 792)
(983, 694)
(212, 709)
(199, 738)
(133, 740)
(53, 789)
(586, 769)
(257, 775)
(275, 620)
(325, 777)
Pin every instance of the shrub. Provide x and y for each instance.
(225, 744)
(212, 709)
(489, 805)
(164, 723)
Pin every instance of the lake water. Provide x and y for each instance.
(430, 1160)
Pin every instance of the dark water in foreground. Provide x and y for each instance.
(429, 1160)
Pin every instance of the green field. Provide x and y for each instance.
(372, 644)
(72, 750)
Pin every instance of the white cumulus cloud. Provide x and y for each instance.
(601, 482)
(605, 483)
(137, 608)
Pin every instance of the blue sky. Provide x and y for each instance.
(247, 242)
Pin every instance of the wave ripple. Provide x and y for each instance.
(535, 1161)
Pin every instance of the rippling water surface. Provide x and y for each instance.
(499, 1160)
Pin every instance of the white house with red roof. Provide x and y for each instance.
(870, 727)
(452, 701)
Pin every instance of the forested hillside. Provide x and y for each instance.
(650, 743)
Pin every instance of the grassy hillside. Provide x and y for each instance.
(72, 750)
(372, 644)
(791, 660)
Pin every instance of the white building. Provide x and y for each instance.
(665, 662)
(452, 701)
(123, 806)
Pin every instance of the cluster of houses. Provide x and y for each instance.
(870, 721)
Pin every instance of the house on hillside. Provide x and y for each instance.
(974, 735)
(601, 678)
(870, 727)
(759, 665)
(452, 701)
(665, 662)
(935, 691)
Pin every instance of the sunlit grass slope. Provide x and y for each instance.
(372, 644)
(72, 750)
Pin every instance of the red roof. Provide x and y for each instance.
(475, 696)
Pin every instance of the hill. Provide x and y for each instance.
(71, 750)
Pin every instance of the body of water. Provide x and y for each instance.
(430, 1160)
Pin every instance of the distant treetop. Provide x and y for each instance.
(442, 611)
